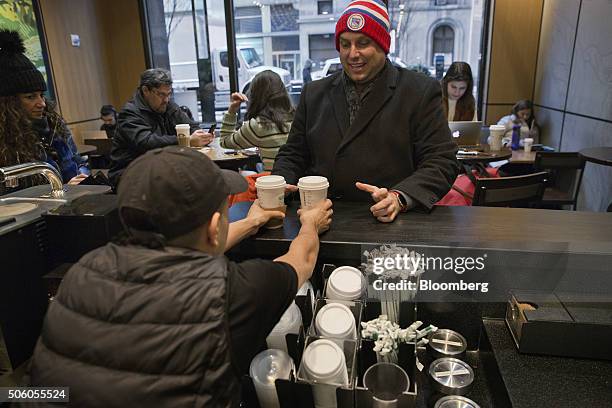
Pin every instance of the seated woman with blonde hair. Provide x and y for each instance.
(267, 120)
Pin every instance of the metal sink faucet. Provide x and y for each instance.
(13, 173)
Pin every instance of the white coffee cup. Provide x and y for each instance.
(313, 189)
(182, 135)
(345, 283)
(289, 323)
(324, 362)
(337, 321)
(271, 195)
(266, 367)
(527, 144)
(496, 134)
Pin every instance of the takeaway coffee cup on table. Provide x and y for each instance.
(271, 195)
(496, 133)
(182, 135)
(527, 144)
(313, 189)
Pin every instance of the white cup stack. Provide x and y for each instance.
(289, 323)
(324, 363)
(313, 189)
(266, 368)
(345, 283)
(337, 321)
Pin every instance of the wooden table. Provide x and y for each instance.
(599, 155)
(227, 158)
(484, 157)
(86, 149)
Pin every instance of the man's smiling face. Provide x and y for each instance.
(361, 57)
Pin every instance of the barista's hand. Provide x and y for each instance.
(259, 216)
(290, 188)
(77, 179)
(200, 138)
(235, 101)
(387, 203)
(319, 215)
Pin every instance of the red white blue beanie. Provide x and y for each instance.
(369, 17)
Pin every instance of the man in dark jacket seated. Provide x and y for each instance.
(374, 130)
(164, 319)
(148, 121)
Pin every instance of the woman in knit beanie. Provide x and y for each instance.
(30, 129)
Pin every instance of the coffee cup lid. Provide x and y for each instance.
(182, 125)
(347, 281)
(497, 127)
(335, 319)
(270, 182)
(528, 139)
(323, 358)
(313, 182)
(270, 365)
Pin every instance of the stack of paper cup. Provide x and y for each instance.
(271, 194)
(324, 362)
(313, 189)
(182, 135)
(267, 367)
(337, 321)
(496, 133)
(304, 290)
(345, 283)
(289, 323)
(527, 143)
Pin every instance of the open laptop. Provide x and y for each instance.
(466, 134)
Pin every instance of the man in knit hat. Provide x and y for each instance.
(377, 132)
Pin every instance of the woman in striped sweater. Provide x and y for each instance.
(267, 121)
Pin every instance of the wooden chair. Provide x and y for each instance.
(565, 169)
(517, 191)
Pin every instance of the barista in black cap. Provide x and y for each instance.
(30, 129)
(165, 319)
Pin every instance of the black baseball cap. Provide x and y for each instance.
(176, 189)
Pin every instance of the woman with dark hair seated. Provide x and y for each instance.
(457, 98)
(30, 129)
(267, 121)
(522, 115)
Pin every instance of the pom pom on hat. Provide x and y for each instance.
(17, 73)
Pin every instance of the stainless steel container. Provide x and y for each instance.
(451, 376)
(446, 343)
(455, 401)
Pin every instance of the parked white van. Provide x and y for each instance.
(249, 65)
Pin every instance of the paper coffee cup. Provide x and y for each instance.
(289, 323)
(527, 144)
(271, 195)
(345, 283)
(496, 134)
(324, 362)
(337, 321)
(182, 135)
(313, 189)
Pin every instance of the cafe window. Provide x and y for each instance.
(325, 7)
(284, 17)
(443, 42)
(248, 20)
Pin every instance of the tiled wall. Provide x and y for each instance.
(573, 89)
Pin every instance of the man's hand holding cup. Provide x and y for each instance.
(318, 215)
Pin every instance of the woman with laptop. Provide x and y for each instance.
(457, 98)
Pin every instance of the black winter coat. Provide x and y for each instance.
(142, 129)
(136, 327)
(399, 140)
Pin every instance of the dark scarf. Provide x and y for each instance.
(354, 98)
